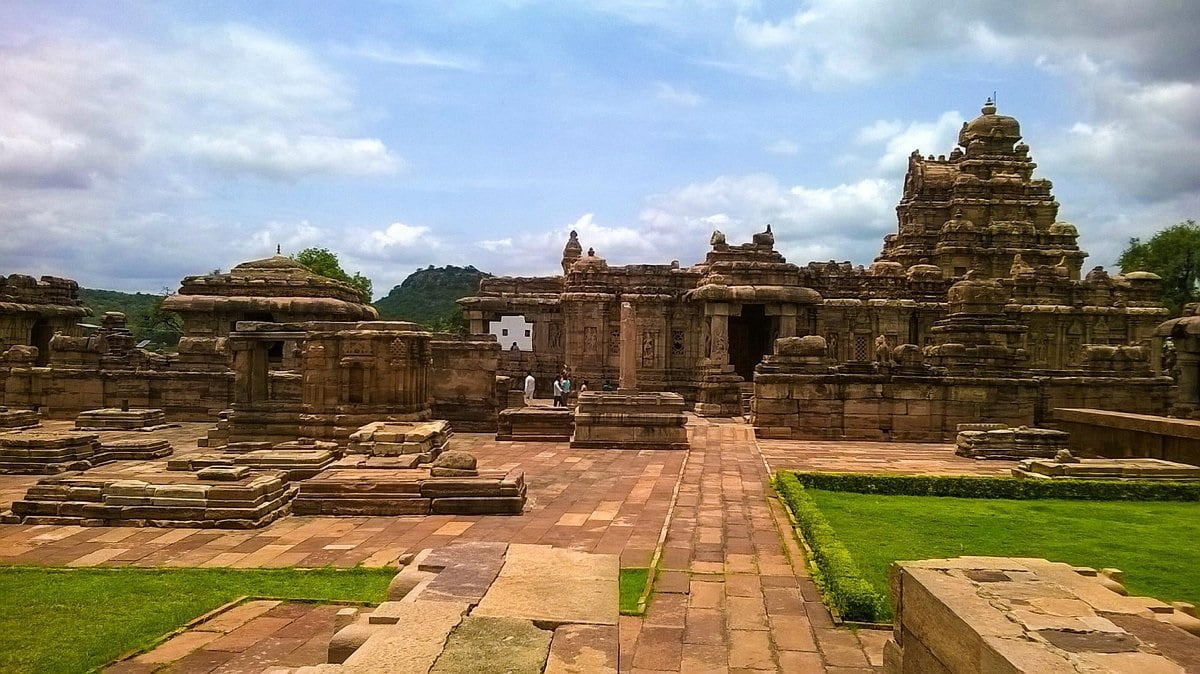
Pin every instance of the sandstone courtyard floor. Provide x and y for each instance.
(733, 593)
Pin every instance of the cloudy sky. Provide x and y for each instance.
(144, 141)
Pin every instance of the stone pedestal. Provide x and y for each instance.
(47, 453)
(116, 419)
(136, 449)
(630, 421)
(12, 420)
(424, 440)
(376, 491)
(536, 424)
(294, 461)
(1011, 443)
(1107, 469)
(720, 393)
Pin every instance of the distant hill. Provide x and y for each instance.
(140, 309)
(427, 295)
(133, 305)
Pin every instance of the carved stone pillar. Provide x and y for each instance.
(718, 345)
(1188, 362)
(629, 349)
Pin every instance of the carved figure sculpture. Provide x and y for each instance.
(883, 351)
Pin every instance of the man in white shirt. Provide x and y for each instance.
(558, 392)
(530, 382)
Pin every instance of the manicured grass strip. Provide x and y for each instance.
(1154, 543)
(837, 576)
(633, 582)
(980, 486)
(74, 620)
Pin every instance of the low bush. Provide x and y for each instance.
(976, 486)
(837, 576)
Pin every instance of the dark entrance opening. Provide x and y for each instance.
(39, 336)
(750, 338)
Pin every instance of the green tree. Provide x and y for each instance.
(324, 262)
(1173, 254)
(162, 328)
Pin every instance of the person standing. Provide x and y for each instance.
(530, 383)
(566, 391)
(558, 392)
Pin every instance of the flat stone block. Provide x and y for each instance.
(584, 587)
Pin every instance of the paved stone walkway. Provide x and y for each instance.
(734, 594)
(848, 456)
(247, 638)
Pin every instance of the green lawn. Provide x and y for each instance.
(633, 581)
(1156, 544)
(67, 620)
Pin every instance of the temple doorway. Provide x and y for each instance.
(750, 338)
(39, 336)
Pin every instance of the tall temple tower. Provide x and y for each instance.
(981, 208)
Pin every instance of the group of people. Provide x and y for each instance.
(562, 388)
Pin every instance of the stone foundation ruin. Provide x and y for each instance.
(995, 614)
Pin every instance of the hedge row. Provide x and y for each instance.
(973, 486)
(837, 576)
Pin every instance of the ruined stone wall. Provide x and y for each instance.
(31, 310)
(62, 393)
(886, 407)
(463, 382)
(929, 408)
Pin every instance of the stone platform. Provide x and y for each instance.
(13, 420)
(536, 424)
(156, 498)
(1107, 469)
(406, 491)
(116, 419)
(423, 439)
(49, 452)
(296, 460)
(994, 614)
(630, 421)
(1010, 443)
(135, 449)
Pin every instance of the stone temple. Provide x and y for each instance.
(980, 277)
(293, 428)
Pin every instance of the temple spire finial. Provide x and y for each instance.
(278, 249)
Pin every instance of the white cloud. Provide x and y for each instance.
(809, 223)
(900, 139)
(400, 235)
(677, 95)
(101, 139)
(783, 146)
(415, 57)
(238, 100)
(838, 42)
(282, 157)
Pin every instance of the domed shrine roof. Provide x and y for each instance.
(990, 125)
(276, 283)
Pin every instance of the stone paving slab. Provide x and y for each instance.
(554, 586)
(290, 634)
